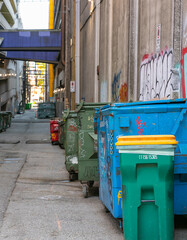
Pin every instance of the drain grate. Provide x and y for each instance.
(42, 141)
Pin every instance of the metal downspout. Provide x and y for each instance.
(51, 70)
(63, 35)
(77, 51)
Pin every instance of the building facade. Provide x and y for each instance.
(10, 71)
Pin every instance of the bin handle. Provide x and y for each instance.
(80, 106)
(177, 123)
(67, 114)
(145, 201)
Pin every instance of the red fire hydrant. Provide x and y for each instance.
(54, 131)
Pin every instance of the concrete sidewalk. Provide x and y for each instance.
(44, 204)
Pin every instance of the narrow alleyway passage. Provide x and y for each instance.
(43, 204)
(37, 201)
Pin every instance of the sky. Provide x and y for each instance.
(35, 15)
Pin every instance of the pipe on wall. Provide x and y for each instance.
(51, 70)
(97, 36)
(110, 25)
(63, 35)
(77, 52)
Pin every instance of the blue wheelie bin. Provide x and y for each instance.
(140, 118)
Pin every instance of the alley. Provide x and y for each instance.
(37, 201)
(43, 203)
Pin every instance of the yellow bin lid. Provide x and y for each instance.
(147, 140)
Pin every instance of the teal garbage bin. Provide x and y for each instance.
(147, 175)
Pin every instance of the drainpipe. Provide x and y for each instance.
(73, 96)
(63, 35)
(77, 52)
(97, 31)
(51, 70)
(110, 25)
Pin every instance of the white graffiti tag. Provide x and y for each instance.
(156, 76)
(82, 151)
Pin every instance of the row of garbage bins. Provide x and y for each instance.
(138, 153)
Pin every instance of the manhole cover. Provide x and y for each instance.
(51, 197)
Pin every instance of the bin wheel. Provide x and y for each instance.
(85, 190)
(73, 176)
(61, 146)
(106, 210)
(53, 143)
(90, 184)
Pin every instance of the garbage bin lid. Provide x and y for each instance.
(147, 140)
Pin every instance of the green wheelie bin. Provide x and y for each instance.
(61, 124)
(9, 118)
(5, 117)
(88, 169)
(1, 122)
(147, 174)
(70, 144)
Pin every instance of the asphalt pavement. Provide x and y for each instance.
(37, 200)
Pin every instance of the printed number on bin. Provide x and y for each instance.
(147, 156)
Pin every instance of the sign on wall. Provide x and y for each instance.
(158, 38)
(72, 86)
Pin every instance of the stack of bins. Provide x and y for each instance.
(88, 171)
(46, 110)
(70, 144)
(141, 118)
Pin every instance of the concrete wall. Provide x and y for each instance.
(139, 49)
(155, 70)
(105, 56)
(120, 45)
(87, 53)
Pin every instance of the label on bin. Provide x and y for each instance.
(148, 157)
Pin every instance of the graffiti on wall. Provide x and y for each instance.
(119, 91)
(115, 87)
(123, 93)
(156, 76)
(184, 72)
